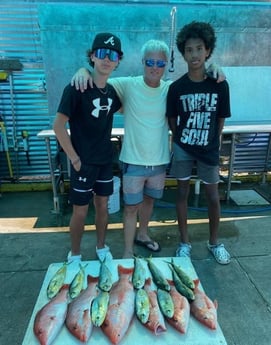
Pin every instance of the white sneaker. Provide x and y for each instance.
(104, 253)
(184, 250)
(73, 258)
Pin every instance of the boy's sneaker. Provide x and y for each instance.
(104, 254)
(73, 258)
(220, 253)
(184, 250)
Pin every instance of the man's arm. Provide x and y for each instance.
(81, 79)
(65, 141)
(172, 123)
(221, 122)
(214, 71)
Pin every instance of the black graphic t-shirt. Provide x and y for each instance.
(90, 121)
(197, 107)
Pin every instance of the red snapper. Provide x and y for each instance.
(51, 317)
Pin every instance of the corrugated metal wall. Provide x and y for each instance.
(23, 99)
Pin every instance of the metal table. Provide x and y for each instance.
(232, 130)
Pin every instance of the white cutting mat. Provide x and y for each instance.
(197, 334)
(247, 197)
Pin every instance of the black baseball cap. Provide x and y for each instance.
(108, 41)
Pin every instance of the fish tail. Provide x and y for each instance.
(125, 270)
(171, 282)
(148, 281)
(92, 279)
(196, 282)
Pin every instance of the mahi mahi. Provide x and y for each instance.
(77, 283)
(139, 274)
(57, 281)
(142, 305)
(158, 277)
(105, 277)
(99, 308)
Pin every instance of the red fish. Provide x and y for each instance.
(51, 317)
(203, 309)
(78, 320)
(181, 315)
(121, 306)
(156, 322)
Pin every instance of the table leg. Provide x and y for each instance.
(231, 162)
(53, 179)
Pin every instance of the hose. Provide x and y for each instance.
(205, 209)
(172, 37)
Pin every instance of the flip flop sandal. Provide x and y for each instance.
(149, 245)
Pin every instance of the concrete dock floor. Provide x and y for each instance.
(33, 237)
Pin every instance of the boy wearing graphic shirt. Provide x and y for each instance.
(196, 109)
(89, 146)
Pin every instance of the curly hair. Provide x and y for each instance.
(201, 30)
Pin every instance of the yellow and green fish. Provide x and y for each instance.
(181, 287)
(139, 274)
(105, 277)
(158, 277)
(182, 275)
(57, 281)
(165, 302)
(142, 305)
(99, 308)
(77, 283)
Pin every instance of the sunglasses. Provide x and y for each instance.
(157, 63)
(102, 53)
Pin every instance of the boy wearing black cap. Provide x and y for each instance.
(89, 146)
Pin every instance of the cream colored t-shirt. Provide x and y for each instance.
(146, 139)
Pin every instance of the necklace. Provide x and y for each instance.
(104, 90)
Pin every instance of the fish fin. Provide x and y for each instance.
(215, 304)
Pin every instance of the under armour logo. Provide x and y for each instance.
(110, 40)
(83, 179)
(98, 107)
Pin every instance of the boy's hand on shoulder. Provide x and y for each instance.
(81, 79)
(215, 72)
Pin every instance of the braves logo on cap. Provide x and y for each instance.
(110, 40)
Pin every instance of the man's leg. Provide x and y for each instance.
(181, 209)
(101, 218)
(77, 224)
(145, 213)
(213, 202)
(130, 222)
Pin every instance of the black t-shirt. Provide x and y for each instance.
(90, 120)
(197, 107)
